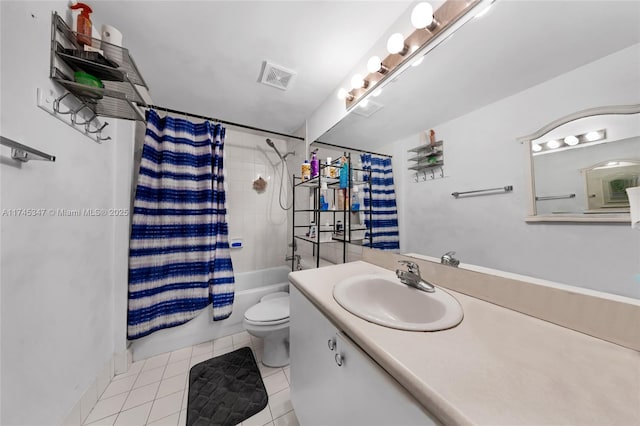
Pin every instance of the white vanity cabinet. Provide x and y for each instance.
(343, 385)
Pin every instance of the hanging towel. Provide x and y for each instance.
(179, 259)
(382, 226)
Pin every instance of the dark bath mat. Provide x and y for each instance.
(225, 390)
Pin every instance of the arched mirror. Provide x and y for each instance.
(581, 165)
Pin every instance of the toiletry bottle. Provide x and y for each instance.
(327, 169)
(315, 165)
(344, 173)
(83, 23)
(355, 203)
(306, 170)
(340, 205)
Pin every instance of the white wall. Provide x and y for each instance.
(57, 272)
(481, 152)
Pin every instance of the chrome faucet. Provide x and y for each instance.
(448, 259)
(412, 278)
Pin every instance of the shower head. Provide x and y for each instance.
(272, 145)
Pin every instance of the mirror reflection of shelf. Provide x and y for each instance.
(428, 157)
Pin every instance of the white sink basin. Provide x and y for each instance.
(388, 302)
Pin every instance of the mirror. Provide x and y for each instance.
(499, 77)
(582, 164)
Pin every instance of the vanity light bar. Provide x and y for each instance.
(405, 51)
(570, 141)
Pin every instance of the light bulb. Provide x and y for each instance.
(571, 140)
(377, 92)
(553, 144)
(592, 136)
(357, 81)
(422, 15)
(374, 64)
(395, 44)
(364, 103)
(342, 94)
(536, 148)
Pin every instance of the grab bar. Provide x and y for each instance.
(555, 197)
(24, 153)
(507, 188)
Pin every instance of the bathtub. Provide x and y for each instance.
(250, 287)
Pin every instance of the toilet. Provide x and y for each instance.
(269, 319)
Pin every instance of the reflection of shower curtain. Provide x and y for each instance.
(383, 232)
(179, 260)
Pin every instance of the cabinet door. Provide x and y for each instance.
(313, 369)
(370, 396)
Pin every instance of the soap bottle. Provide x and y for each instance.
(344, 173)
(306, 170)
(355, 204)
(83, 23)
(315, 165)
(327, 169)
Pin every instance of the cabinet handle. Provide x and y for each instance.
(338, 359)
(331, 343)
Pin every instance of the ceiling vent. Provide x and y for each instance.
(276, 76)
(367, 111)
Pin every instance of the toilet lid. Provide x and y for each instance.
(269, 310)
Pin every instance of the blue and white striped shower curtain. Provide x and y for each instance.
(179, 260)
(383, 232)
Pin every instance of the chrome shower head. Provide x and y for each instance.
(272, 145)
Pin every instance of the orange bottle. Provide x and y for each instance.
(83, 23)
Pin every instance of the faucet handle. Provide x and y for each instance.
(411, 266)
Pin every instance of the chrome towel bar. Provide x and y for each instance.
(20, 152)
(555, 197)
(508, 188)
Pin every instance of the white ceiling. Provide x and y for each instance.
(205, 57)
(517, 45)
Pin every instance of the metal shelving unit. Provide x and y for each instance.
(427, 157)
(120, 96)
(346, 236)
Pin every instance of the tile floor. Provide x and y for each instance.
(154, 390)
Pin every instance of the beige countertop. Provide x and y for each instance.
(498, 367)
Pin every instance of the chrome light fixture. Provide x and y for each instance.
(571, 141)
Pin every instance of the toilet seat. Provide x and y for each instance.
(275, 295)
(270, 312)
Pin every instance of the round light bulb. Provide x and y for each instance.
(377, 92)
(342, 94)
(422, 15)
(571, 140)
(536, 148)
(374, 64)
(553, 144)
(592, 136)
(357, 81)
(395, 44)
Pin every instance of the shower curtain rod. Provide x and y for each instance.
(230, 123)
(352, 149)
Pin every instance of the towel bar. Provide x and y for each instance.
(555, 197)
(20, 152)
(508, 188)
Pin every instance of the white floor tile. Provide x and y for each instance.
(118, 386)
(280, 403)
(288, 419)
(199, 358)
(88, 401)
(287, 372)
(134, 417)
(165, 406)
(107, 421)
(106, 407)
(223, 342)
(148, 377)
(180, 354)
(203, 348)
(141, 395)
(183, 418)
(171, 420)
(259, 419)
(134, 369)
(171, 385)
(176, 368)
(156, 361)
(267, 371)
(221, 351)
(275, 382)
(242, 338)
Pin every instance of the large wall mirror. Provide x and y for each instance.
(518, 68)
(582, 164)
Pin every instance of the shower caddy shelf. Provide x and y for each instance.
(333, 184)
(119, 98)
(427, 157)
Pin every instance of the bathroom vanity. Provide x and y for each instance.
(497, 366)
